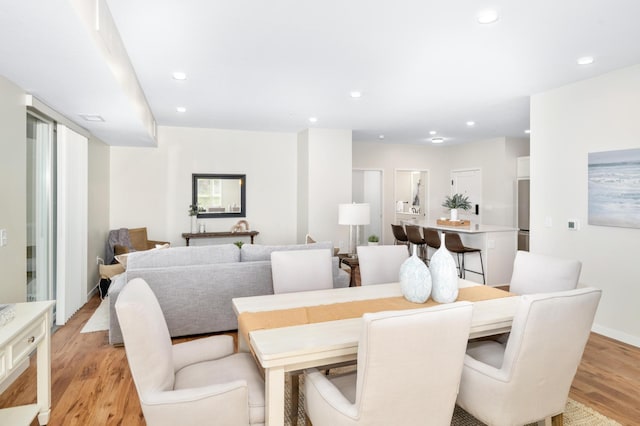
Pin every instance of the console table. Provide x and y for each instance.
(188, 235)
(29, 330)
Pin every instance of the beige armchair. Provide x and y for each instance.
(380, 264)
(528, 379)
(409, 365)
(198, 382)
(537, 273)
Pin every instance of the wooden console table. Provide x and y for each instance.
(29, 330)
(188, 235)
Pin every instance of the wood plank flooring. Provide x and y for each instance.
(92, 385)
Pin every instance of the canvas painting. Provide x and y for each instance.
(614, 188)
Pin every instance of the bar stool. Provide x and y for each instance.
(454, 244)
(432, 238)
(400, 236)
(415, 238)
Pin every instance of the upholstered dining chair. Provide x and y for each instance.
(301, 270)
(528, 378)
(380, 264)
(408, 371)
(196, 382)
(537, 273)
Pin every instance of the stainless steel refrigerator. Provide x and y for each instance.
(523, 214)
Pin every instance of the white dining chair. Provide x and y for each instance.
(380, 264)
(409, 366)
(301, 270)
(528, 379)
(537, 273)
(198, 382)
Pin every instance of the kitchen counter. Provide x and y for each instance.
(497, 243)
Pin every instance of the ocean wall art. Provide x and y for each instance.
(614, 188)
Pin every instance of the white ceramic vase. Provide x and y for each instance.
(454, 215)
(444, 275)
(415, 279)
(194, 224)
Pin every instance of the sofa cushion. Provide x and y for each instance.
(256, 252)
(184, 256)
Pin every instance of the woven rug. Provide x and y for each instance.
(99, 321)
(575, 414)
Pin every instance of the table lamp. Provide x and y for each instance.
(354, 215)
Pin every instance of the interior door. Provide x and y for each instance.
(469, 183)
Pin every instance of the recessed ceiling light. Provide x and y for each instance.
(585, 60)
(313, 120)
(437, 140)
(487, 16)
(179, 75)
(355, 94)
(527, 131)
(471, 123)
(92, 117)
(181, 109)
(432, 132)
(381, 137)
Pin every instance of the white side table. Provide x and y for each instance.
(29, 330)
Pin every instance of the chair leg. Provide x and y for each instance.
(484, 281)
(295, 398)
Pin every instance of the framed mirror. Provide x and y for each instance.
(219, 195)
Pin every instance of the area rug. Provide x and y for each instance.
(575, 414)
(99, 321)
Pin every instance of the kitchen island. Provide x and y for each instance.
(497, 243)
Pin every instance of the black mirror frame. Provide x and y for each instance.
(243, 197)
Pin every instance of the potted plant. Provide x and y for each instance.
(455, 202)
(373, 240)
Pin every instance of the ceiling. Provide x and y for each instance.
(421, 65)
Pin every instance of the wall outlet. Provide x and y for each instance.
(548, 222)
(573, 224)
(3, 237)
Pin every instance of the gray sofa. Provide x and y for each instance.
(195, 285)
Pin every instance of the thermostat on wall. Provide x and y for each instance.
(573, 225)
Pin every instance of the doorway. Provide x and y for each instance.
(468, 182)
(41, 217)
(367, 188)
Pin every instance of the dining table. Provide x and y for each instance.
(280, 347)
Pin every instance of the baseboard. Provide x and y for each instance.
(617, 335)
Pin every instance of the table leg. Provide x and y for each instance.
(274, 396)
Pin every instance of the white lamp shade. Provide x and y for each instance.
(353, 214)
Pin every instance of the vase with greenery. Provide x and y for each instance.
(373, 240)
(193, 213)
(455, 202)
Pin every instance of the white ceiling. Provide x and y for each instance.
(269, 65)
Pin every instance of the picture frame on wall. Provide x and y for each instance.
(614, 188)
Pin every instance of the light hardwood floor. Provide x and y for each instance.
(92, 385)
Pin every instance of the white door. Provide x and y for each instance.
(469, 183)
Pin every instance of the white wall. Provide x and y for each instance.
(13, 187)
(328, 178)
(152, 186)
(599, 114)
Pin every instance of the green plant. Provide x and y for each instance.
(373, 238)
(239, 243)
(194, 209)
(457, 201)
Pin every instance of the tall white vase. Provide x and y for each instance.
(415, 279)
(454, 215)
(444, 275)
(194, 224)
